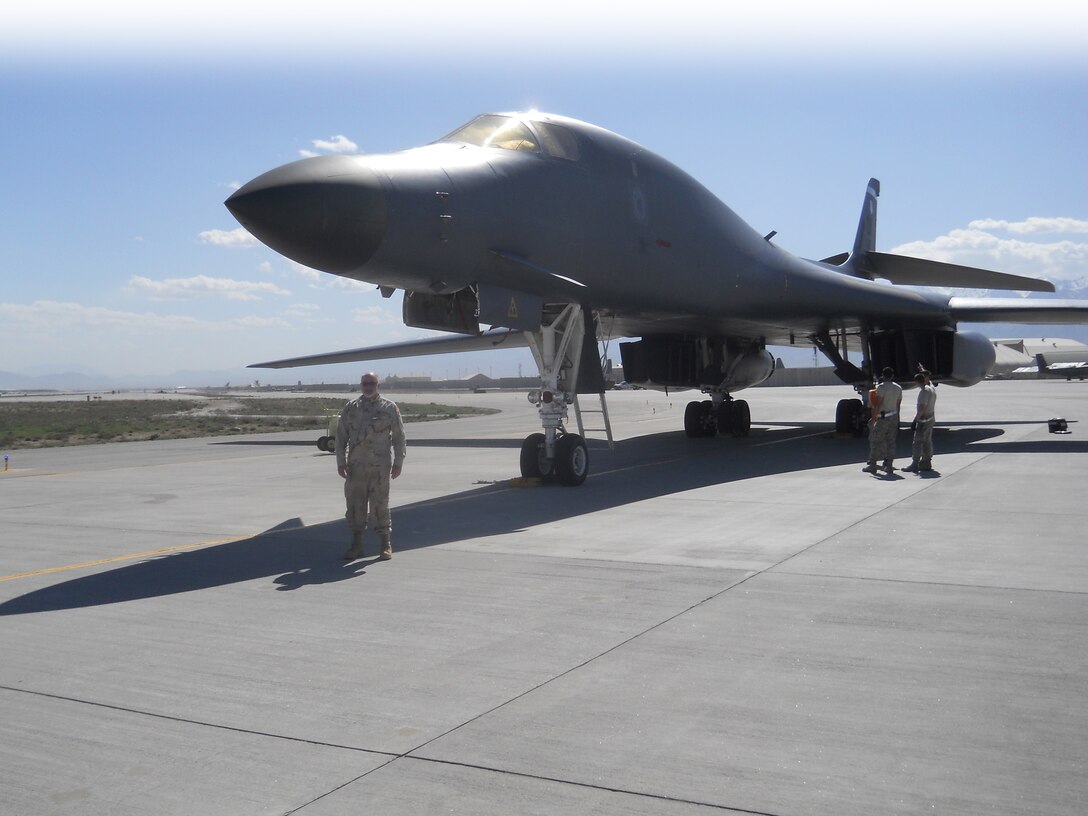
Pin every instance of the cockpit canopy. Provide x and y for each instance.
(511, 133)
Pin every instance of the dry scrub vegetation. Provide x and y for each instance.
(52, 424)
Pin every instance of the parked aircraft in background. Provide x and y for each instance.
(1042, 357)
(555, 232)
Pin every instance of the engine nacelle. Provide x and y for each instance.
(973, 356)
(677, 361)
(953, 357)
(747, 369)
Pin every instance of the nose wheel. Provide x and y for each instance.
(570, 466)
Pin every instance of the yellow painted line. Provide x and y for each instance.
(116, 558)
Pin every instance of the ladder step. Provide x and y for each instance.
(603, 410)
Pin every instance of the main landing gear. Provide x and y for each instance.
(730, 416)
(851, 418)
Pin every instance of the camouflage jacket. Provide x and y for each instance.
(370, 432)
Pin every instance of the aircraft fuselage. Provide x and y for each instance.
(611, 224)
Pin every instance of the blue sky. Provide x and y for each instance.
(124, 130)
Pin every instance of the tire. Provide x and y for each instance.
(330, 444)
(849, 417)
(534, 465)
(571, 460)
(321, 440)
(693, 419)
(742, 418)
(726, 416)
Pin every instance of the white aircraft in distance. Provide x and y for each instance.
(1041, 356)
(555, 232)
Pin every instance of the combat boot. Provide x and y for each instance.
(888, 466)
(356, 550)
(869, 468)
(913, 467)
(926, 466)
(387, 548)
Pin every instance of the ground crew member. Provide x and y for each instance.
(370, 451)
(924, 420)
(884, 422)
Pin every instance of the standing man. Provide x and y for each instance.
(370, 451)
(924, 420)
(884, 424)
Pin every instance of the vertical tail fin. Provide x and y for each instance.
(865, 240)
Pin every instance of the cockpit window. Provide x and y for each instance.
(496, 131)
(558, 141)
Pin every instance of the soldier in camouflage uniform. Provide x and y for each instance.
(884, 425)
(924, 420)
(370, 451)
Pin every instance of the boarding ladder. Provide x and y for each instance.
(603, 411)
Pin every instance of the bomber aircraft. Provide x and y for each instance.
(555, 233)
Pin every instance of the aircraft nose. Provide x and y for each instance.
(327, 213)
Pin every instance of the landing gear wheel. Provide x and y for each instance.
(534, 461)
(693, 419)
(571, 460)
(742, 418)
(321, 440)
(330, 444)
(850, 417)
(700, 419)
(726, 416)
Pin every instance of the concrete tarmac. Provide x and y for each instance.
(706, 626)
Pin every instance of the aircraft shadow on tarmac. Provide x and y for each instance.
(299, 443)
(638, 469)
(412, 443)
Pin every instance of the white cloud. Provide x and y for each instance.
(340, 282)
(228, 238)
(307, 314)
(55, 333)
(200, 286)
(255, 322)
(375, 316)
(337, 144)
(55, 316)
(55, 319)
(307, 273)
(1033, 226)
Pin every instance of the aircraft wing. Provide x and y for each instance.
(1012, 310)
(904, 270)
(491, 339)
